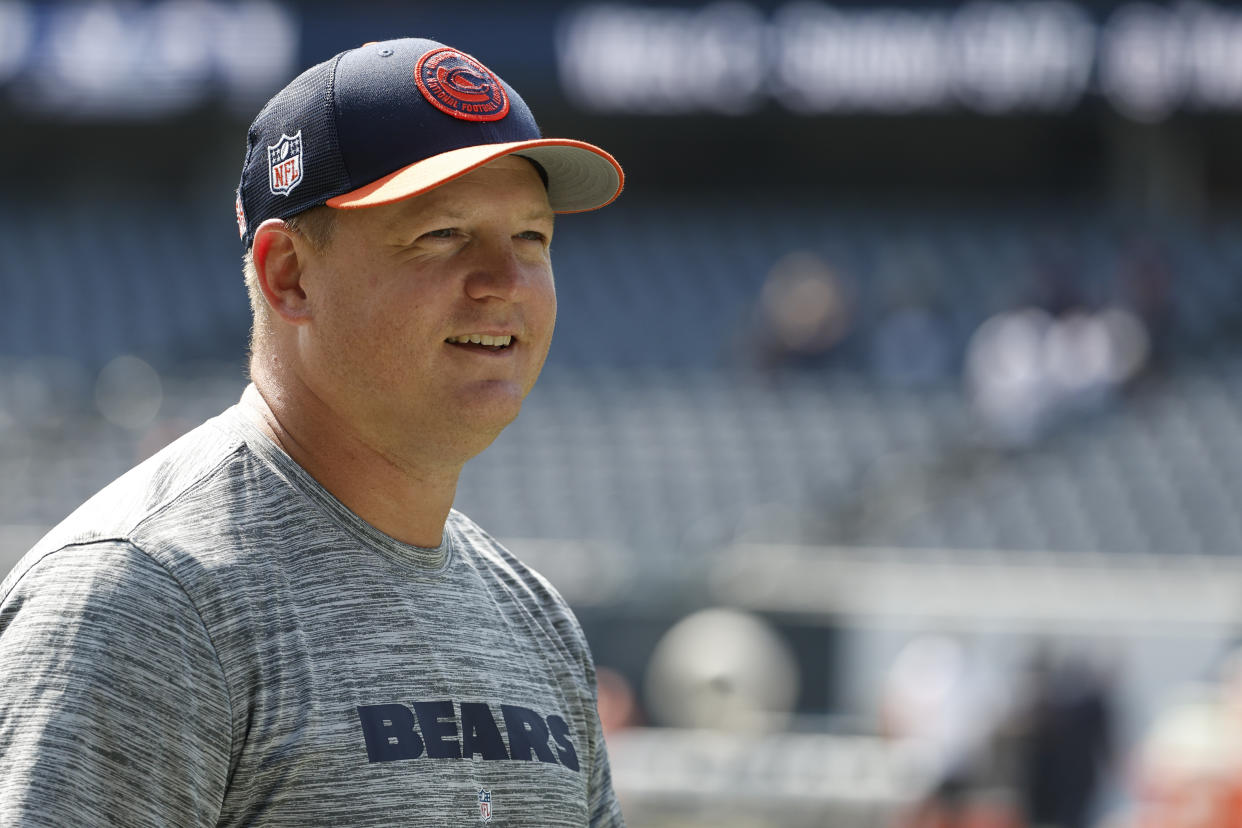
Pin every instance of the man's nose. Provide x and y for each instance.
(498, 273)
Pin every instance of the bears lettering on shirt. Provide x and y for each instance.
(449, 730)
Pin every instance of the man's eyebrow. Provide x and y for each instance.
(455, 213)
(444, 212)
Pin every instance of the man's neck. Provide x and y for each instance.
(407, 501)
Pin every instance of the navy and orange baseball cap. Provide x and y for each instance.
(393, 119)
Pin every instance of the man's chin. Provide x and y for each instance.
(471, 439)
(487, 411)
(493, 399)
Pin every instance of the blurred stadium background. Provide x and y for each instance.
(890, 448)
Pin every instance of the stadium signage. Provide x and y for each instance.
(813, 58)
(117, 60)
(113, 60)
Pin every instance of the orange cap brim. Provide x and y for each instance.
(581, 176)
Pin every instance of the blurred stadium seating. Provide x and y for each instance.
(654, 425)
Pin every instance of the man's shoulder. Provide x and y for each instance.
(182, 470)
(494, 555)
(519, 580)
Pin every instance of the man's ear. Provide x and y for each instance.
(279, 260)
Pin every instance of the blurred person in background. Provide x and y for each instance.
(1187, 771)
(804, 312)
(1065, 744)
(279, 619)
(949, 712)
(1146, 285)
(618, 705)
(1032, 752)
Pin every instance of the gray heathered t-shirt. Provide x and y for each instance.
(214, 639)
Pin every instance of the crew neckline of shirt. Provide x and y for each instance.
(422, 559)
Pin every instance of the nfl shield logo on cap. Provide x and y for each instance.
(284, 164)
(485, 805)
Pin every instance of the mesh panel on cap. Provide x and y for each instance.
(305, 104)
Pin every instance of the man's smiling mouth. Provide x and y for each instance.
(494, 343)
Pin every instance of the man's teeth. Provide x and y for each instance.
(482, 339)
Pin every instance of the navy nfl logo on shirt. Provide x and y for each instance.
(284, 164)
(485, 805)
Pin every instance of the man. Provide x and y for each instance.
(278, 620)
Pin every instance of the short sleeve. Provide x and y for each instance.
(605, 811)
(114, 709)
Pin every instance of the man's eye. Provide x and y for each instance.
(443, 233)
(532, 235)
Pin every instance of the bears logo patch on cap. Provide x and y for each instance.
(241, 215)
(458, 85)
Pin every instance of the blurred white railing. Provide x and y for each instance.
(667, 777)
